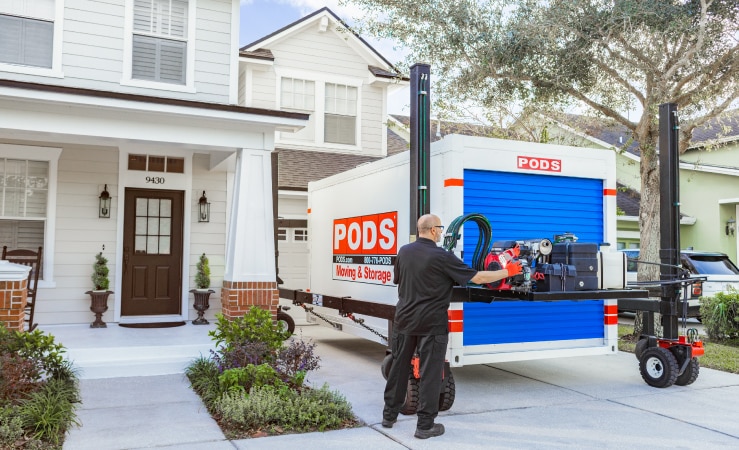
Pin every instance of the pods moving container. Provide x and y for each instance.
(360, 218)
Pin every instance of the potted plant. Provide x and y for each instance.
(99, 295)
(202, 292)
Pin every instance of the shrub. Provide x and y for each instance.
(255, 326)
(720, 315)
(49, 411)
(100, 273)
(253, 381)
(18, 378)
(202, 274)
(263, 408)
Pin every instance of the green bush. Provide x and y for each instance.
(49, 411)
(265, 408)
(202, 274)
(253, 381)
(38, 391)
(255, 326)
(720, 315)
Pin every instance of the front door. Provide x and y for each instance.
(152, 253)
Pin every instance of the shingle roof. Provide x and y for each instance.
(627, 200)
(724, 127)
(298, 167)
(260, 53)
(442, 128)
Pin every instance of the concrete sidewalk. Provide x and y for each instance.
(583, 402)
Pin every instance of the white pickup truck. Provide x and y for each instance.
(720, 272)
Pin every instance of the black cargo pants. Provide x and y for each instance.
(432, 350)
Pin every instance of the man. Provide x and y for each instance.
(425, 275)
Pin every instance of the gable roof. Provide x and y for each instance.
(377, 64)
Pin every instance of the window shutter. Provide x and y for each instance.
(340, 129)
(144, 57)
(26, 41)
(161, 17)
(172, 57)
(38, 39)
(10, 46)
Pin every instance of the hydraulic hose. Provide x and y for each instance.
(484, 240)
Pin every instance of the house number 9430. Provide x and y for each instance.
(155, 180)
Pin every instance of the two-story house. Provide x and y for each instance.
(138, 100)
(320, 67)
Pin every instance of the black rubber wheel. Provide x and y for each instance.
(387, 362)
(287, 321)
(658, 367)
(641, 344)
(411, 397)
(690, 374)
(448, 392)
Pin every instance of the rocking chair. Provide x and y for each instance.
(32, 259)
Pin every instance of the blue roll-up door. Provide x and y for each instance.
(530, 206)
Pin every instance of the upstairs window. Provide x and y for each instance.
(160, 40)
(340, 117)
(298, 94)
(27, 32)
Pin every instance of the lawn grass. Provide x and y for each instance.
(722, 356)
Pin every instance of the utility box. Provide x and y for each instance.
(360, 218)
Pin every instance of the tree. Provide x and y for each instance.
(609, 56)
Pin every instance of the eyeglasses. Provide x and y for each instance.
(440, 227)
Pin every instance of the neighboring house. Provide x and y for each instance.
(138, 98)
(318, 66)
(709, 178)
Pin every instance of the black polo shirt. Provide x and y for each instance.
(425, 275)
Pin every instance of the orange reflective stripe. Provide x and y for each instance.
(611, 192)
(456, 327)
(611, 309)
(610, 320)
(308, 211)
(453, 182)
(455, 314)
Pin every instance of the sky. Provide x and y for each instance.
(260, 18)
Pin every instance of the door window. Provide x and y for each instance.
(153, 232)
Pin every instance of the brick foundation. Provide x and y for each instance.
(13, 297)
(237, 297)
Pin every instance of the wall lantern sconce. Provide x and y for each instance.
(730, 227)
(203, 209)
(104, 203)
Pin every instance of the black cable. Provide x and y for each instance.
(484, 240)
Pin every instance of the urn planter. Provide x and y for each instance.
(98, 305)
(201, 304)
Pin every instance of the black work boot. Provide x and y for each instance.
(436, 430)
(388, 423)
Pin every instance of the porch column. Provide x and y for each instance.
(13, 294)
(249, 278)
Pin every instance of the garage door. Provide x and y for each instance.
(292, 243)
(529, 206)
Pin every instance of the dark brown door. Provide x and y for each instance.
(152, 253)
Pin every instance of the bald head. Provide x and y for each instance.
(428, 227)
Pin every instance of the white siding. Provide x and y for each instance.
(80, 234)
(94, 41)
(208, 237)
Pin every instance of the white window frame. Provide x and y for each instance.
(294, 235)
(318, 115)
(128, 80)
(50, 155)
(56, 59)
(282, 232)
(303, 94)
